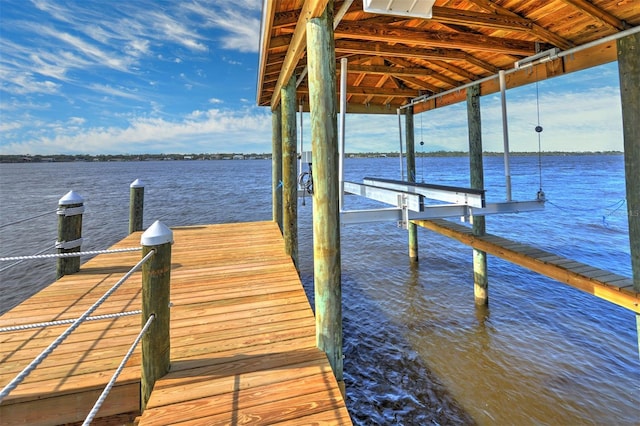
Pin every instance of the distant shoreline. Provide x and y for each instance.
(63, 158)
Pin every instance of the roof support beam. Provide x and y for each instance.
(383, 49)
(425, 72)
(576, 61)
(422, 84)
(447, 15)
(311, 9)
(598, 13)
(543, 33)
(383, 33)
(390, 92)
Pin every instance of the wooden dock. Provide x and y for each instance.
(243, 344)
(598, 282)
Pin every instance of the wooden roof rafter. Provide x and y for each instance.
(427, 72)
(603, 16)
(544, 34)
(311, 9)
(426, 38)
(391, 57)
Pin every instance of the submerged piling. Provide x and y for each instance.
(136, 205)
(476, 172)
(70, 210)
(289, 170)
(326, 212)
(412, 228)
(276, 165)
(629, 71)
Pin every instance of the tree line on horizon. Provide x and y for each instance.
(59, 158)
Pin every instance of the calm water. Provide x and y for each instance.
(417, 351)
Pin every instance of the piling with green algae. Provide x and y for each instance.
(276, 165)
(412, 228)
(629, 71)
(289, 170)
(326, 212)
(480, 280)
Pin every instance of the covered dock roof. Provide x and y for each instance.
(395, 59)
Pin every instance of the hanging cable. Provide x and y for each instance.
(421, 152)
(538, 130)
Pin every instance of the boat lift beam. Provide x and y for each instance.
(414, 202)
(450, 194)
(409, 205)
(437, 212)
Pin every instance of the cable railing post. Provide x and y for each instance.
(70, 209)
(136, 205)
(155, 301)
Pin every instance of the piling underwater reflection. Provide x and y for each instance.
(417, 350)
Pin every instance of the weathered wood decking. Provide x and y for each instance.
(601, 283)
(242, 339)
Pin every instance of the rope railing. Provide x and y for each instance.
(72, 254)
(22, 260)
(47, 351)
(156, 266)
(67, 321)
(5, 225)
(116, 374)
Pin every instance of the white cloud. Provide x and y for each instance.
(25, 83)
(139, 47)
(200, 131)
(7, 126)
(118, 92)
(175, 31)
(215, 101)
(572, 121)
(239, 21)
(76, 120)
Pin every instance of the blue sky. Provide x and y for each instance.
(150, 76)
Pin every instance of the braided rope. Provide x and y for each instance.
(73, 254)
(45, 353)
(107, 389)
(67, 321)
(20, 261)
(26, 219)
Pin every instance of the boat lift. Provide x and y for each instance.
(408, 198)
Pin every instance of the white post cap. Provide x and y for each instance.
(137, 184)
(157, 234)
(69, 198)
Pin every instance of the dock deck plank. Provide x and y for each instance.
(242, 339)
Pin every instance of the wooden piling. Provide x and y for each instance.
(326, 213)
(411, 177)
(156, 274)
(289, 170)
(629, 71)
(276, 165)
(136, 205)
(480, 280)
(70, 209)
